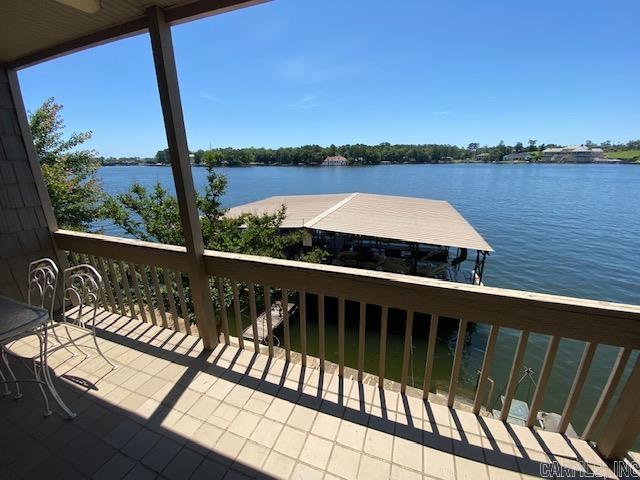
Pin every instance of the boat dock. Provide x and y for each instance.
(277, 318)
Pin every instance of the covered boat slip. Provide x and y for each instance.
(383, 232)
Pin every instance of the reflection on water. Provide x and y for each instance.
(563, 229)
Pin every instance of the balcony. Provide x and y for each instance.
(177, 409)
(194, 399)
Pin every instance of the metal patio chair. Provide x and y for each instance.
(23, 320)
(81, 289)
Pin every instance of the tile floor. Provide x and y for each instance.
(174, 411)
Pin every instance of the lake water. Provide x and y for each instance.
(564, 229)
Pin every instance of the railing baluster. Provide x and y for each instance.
(321, 331)
(607, 393)
(237, 312)
(184, 310)
(361, 339)
(254, 315)
(116, 284)
(147, 294)
(267, 311)
(406, 355)
(159, 298)
(287, 333)
(103, 295)
(127, 288)
(576, 388)
(302, 296)
(486, 367)
(136, 287)
(457, 362)
(621, 429)
(431, 350)
(107, 284)
(515, 373)
(223, 310)
(74, 259)
(545, 373)
(383, 345)
(341, 336)
(172, 301)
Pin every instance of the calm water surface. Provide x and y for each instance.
(563, 229)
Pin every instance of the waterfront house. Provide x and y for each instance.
(192, 399)
(574, 154)
(335, 161)
(517, 157)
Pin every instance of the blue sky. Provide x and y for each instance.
(293, 72)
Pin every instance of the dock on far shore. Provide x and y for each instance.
(277, 317)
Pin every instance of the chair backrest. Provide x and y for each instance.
(43, 281)
(81, 285)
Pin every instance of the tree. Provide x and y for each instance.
(518, 147)
(153, 215)
(76, 194)
(162, 156)
(532, 145)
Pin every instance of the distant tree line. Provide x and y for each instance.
(360, 154)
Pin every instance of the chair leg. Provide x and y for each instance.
(6, 392)
(37, 371)
(46, 375)
(13, 377)
(55, 334)
(86, 355)
(95, 340)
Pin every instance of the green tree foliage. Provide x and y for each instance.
(68, 172)
(153, 215)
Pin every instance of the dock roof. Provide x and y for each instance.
(407, 219)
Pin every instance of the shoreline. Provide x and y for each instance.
(461, 162)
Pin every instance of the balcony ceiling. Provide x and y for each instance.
(28, 27)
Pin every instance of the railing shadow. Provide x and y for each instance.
(518, 459)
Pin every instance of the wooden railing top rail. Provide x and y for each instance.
(581, 319)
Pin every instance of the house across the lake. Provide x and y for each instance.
(517, 157)
(335, 161)
(574, 154)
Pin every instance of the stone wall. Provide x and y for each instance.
(24, 232)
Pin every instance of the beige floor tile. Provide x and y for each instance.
(407, 453)
(302, 417)
(316, 451)
(266, 432)
(326, 426)
(252, 455)
(344, 462)
(351, 435)
(470, 470)
(278, 466)
(279, 410)
(290, 442)
(238, 396)
(497, 473)
(244, 424)
(399, 473)
(229, 445)
(206, 435)
(378, 444)
(305, 472)
(438, 464)
(204, 407)
(220, 389)
(185, 400)
(256, 406)
(373, 469)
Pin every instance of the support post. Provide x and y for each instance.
(623, 425)
(167, 77)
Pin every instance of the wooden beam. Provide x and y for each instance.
(94, 39)
(167, 76)
(623, 424)
(136, 26)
